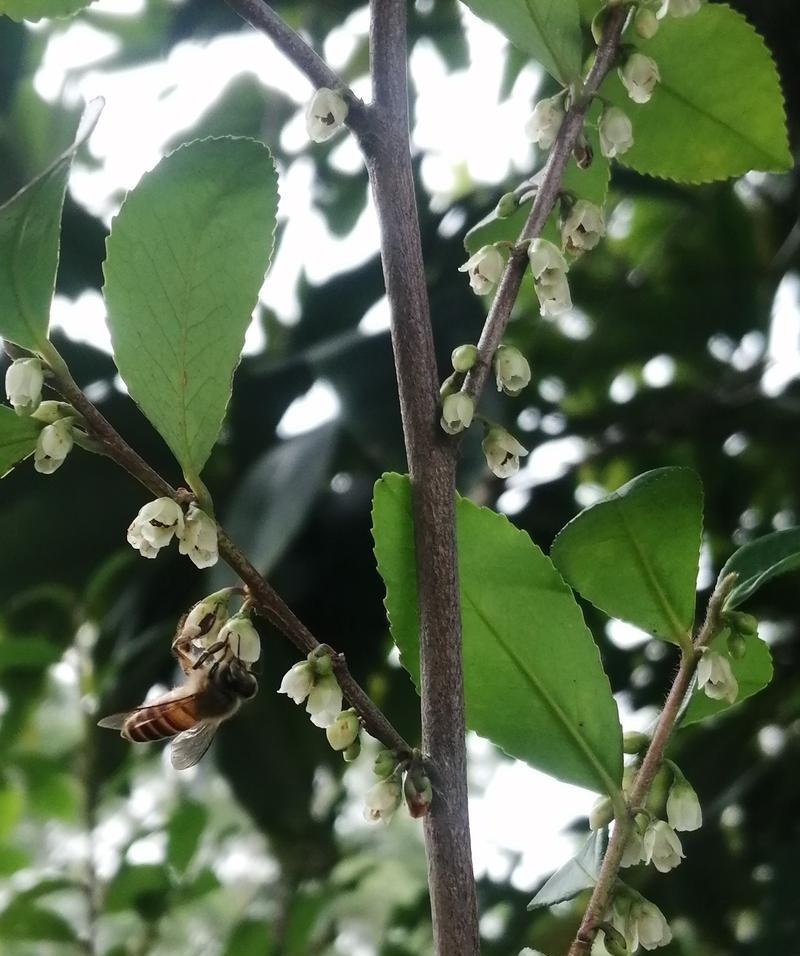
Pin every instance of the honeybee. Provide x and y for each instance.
(216, 683)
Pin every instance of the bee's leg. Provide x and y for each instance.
(209, 652)
(183, 651)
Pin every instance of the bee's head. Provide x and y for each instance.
(234, 677)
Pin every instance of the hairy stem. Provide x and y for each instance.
(546, 196)
(266, 600)
(651, 763)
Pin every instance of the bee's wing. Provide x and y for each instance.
(114, 721)
(190, 746)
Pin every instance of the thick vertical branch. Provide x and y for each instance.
(431, 461)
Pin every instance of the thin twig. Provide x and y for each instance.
(546, 196)
(651, 763)
(261, 16)
(267, 601)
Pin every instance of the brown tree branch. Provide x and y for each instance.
(546, 196)
(267, 601)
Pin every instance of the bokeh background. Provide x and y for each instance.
(683, 348)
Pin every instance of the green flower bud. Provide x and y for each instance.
(343, 732)
(737, 645)
(645, 23)
(614, 941)
(418, 792)
(463, 357)
(321, 662)
(385, 763)
(353, 752)
(741, 622)
(506, 205)
(657, 797)
(634, 742)
(601, 814)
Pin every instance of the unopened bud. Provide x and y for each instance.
(583, 153)
(601, 814)
(463, 357)
(657, 796)
(49, 412)
(344, 730)
(741, 622)
(737, 645)
(506, 206)
(353, 752)
(634, 742)
(321, 661)
(645, 23)
(614, 942)
(385, 763)
(418, 792)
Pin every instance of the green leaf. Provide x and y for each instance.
(18, 434)
(634, 554)
(38, 9)
(759, 561)
(185, 828)
(548, 30)
(533, 680)
(249, 938)
(142, 888)
(718, 110)
(753, 672)
(575, 875)
(23, 920)
(186, 259)
(30, 223)
(591, 184)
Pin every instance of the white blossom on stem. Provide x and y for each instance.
(242, 638)
(684, 812)
(511, 369)
(715, 676)
(198, 538)
(324, 702)
(52, 446)
(583, 227)
(543, 124)
(382, 800)
(484, 269)
(662, 847)
(639, 76)
(204, 620)
(457, 412)
(343, 732)
(616, 132)
(325, 113)
(154, 526)
(502, 451)
(641, 922)
(298, 682)
(24, 381)
(549, 268)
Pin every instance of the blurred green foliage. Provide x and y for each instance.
(245, 856)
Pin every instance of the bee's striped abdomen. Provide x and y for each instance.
(158, 723)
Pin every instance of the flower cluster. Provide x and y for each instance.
(208, 625)
(398, 780)
(549, 269)
(639, 921)
(314, 682)
(159, 521)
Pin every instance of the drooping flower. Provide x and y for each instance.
(543, 124)
(684, 812)
(616, 132)
(484, 269)
(511, 369)
(418, 792)
(154, 526)
(382, 800)
(24, 381)
(549, 268)
(343, 732)
(298, 681)
(204, 620)
(324, 702)
(198, 539)
(715, 676)
(502, 451)
(662, 847)
(639, 76)
(242, 638)
(457, 412)
(641, 922)
(583, 227)
(325, 113)
(52, 446)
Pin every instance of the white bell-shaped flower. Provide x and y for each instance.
(511, 369)
(639, 76)
(154, 526)
(616, 132)
(24, 381)
(684, 812)
(641, 922)
(502, 451)
(382, 800)
(52, 446)
(457, 412)
(205, 619)
(679, 8)
(549, 268)
(324, 703)
(583, 227)
(298, 682)
(343, 731)
(715, 676)
(198, 538)
(242, 638)
(543, 124)
(484, 268)
(662, 847)
(325, 113)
